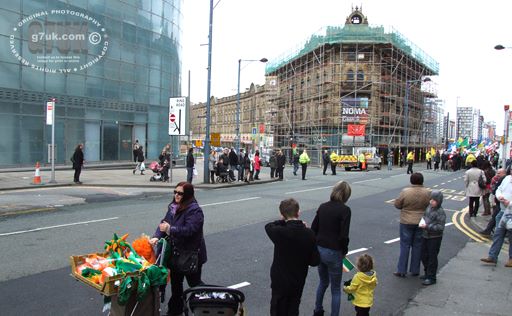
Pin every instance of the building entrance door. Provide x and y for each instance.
(125, 142)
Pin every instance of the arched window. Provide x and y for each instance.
(350, 75)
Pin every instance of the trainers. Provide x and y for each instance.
(429, 282)
(509, 263)
(318, 313)
(488, 260)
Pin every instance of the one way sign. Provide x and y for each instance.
(177, 116)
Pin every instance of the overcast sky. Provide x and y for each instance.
(459, 34)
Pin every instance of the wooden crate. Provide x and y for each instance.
(111, 285)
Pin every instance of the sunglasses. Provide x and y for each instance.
(179, 193)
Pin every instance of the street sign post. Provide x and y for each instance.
(177, 116)
(50, 120)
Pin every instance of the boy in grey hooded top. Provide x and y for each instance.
(435, 219)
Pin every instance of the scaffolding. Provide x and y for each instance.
(359, 67)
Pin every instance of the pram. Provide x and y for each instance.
(222, 176)
(158, 171)
(213, 300)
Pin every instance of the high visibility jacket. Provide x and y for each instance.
(361, 158)
(334, 157)
(410, 156)
(304, 158)
(429, 156)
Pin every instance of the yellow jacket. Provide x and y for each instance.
(470, 158)
(429, 156)
(334, 157)
(410, 156)
(361, 158)
(362, 286)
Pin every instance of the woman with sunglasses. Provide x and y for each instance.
(183, 224)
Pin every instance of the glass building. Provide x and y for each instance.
(111, 65)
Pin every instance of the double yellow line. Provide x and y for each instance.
(458, 221)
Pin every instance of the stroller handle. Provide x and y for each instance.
(211, 288)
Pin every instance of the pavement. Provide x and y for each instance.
(465, 286)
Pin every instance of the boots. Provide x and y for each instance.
(490, 260)
(509, 263)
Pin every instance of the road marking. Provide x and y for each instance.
(435, 186)
(458, 221)
(356, 251)
(232, 201)
(398, 175)
(392, 241)
(315, 189)
(239, 285)
(58, 226)
(367, 180)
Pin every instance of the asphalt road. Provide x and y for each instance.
(34, 270)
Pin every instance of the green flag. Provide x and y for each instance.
(465, 143)
(347, 265)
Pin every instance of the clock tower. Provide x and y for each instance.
(357, 17)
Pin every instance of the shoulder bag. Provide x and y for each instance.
(184, 261)
(481, 182)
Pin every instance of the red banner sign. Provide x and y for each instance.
(356, 130)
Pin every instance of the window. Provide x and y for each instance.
(350, 75)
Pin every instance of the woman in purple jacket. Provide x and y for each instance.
(183, 225)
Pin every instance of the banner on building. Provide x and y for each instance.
(356, 130)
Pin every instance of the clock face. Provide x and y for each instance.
(356, 19)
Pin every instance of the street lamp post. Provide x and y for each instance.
(263, 60)
(206, 172)
(408, 84)
(505, 151)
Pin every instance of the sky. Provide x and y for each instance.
(459, 34)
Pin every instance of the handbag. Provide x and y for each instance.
(184, 261)
(481, 182)
(142, 166)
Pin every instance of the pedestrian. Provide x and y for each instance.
(429, 160)
(135, 150)
(437, 159)
(281, 162)
(304, 160)
(326, 160)
(190, 164)
(182, 226)
(164, 160)
(294, 251)
(473, 191)
(410, 162)
(390, 160)
(241, 167)
(212, 163)
(273, 165)
(496, 207)
(361, 159)
(331, 226)
(504, 223)
(433, 226)
(362, 285)
(444, 159)
(78, 161)
(295, 160)
(247, 168)
(334, 161)
(233, 164)
(402, 159)
(140, 161)
(412, 203)
(489, 174)
(257, 165)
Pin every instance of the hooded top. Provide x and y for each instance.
(435, 218)
(362, 286)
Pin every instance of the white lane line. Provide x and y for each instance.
(435, 186)
(239, 285)
(58, 226)
(367, 180)
(315, 189)
(392, 241)
(443, 183)
(356, 251)
(231, 201)
(397, 239)
(398, 175)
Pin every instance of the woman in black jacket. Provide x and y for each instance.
(78, 161)
(331, 226)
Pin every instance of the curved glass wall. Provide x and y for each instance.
(111, 65)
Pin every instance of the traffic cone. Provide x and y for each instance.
(363, 165)
(37, 175)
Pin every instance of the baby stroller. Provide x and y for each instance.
(211, 300)
(157, 170)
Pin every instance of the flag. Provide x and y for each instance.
(465, 143)
(432, 151)
(347, 265)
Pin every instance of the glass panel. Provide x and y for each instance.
(35, 109)
(94, 86)
(10, 77)
(127, 92)
(92, 141)
(129, 32)
(74, 135)
(127, 72)
(154, 77)
(125, 133)
(32, 79)
(31, 138)
(111, 89)
(144, 19)
(8, 21)
(55, 83)
(111, 68)
(128, 53)
(9, 107)
(110, 143)
(76, 84)
(10, 131)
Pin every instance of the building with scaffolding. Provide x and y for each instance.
(355, 85)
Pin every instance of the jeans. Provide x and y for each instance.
(498, 238)
(240, 173)
(330, 270)
(190, 173)
(295, 168)
(409, 168)
(410, 237)
(390, 165)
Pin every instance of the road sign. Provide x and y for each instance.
(177, 116)
(215, 139)
(254, 130)
(50, 107)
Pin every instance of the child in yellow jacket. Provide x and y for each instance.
(362, 285)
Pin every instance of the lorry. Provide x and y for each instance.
(348, 158)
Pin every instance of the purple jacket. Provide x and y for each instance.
(186, 228)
